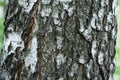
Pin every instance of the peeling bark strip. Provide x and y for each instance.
(59, 40)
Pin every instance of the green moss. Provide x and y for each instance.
(117, 71)
(118, 2)
(2, 3)
(1, 33)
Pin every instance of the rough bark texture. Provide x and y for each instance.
(59, 40)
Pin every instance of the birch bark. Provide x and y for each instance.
(59, 40)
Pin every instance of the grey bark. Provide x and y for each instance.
(59, 40)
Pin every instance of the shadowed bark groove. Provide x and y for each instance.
(59, 40)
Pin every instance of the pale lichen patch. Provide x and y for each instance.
(10, 28)
(94, 48)
(56, 2)
(59, 42)
(46, 10)
(107, 2)
(49, 78)
(21, 2)
(4, 74)
(62, 14)
(61, 78)
(93, 21)
(107, 28)
(60, 59)
(110, 77)
(101, 13)
(12, 41)
(88, 34)
(81, 27)
(65, 1)
(27, 5)
(70, 10)
(101, 58)
(31, 58)
(103, 3)
(55, 13)
(82, 59)
(114, 6)
(15, 40)
(114, 33)
(74, 69)
(109, 17)
(57, 22)
(46, 1)
(99, 27)
(111, 67)
(65, 6)
(59, 29)
(88, 68)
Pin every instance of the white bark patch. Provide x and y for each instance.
(65, 4)
(103, 3)
(56, 2)
(109, 17)
(94, 47)
(15, 40)
(95, 17)
(4, 74)
(59, 29)
(111, 67)
(44, 19)
(101, 13)
(99, 27)
(114, 33)
(55, 14)
(89, 67)
(49, 78)
(114, 6)
(107, 2)
(57, 22)
(110, 77)
(82, 59)
(59, 42)
(46, 10)
(106, 28)
(74, 69)
(100, 58)
(12, 14)
(31, 58)
(62, 14)
(26, 5)
(61, 78)
(81, 28)
(60, 59)
(65, 1)
(46, 1)
(87, 34)
(70, 10)
(10, 28)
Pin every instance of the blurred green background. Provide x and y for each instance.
(117, 71)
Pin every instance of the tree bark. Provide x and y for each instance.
(59, 40)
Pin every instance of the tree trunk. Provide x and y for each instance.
(59, 40)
